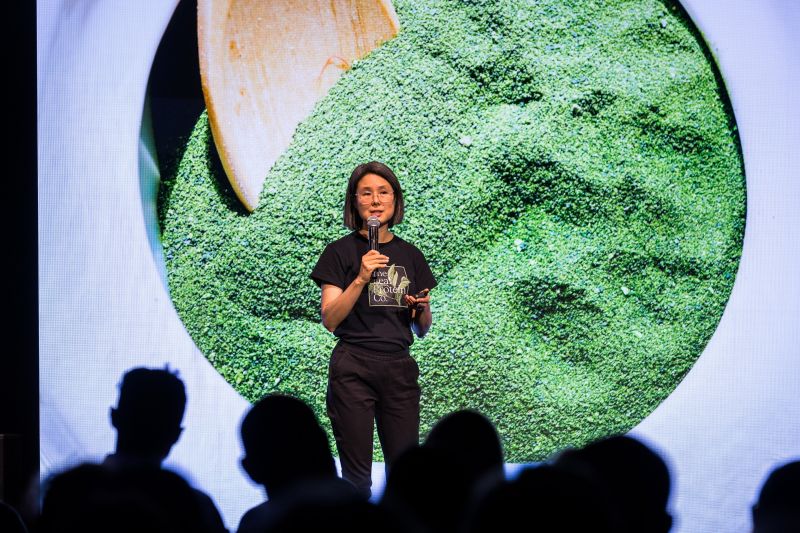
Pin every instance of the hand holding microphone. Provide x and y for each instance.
(373, 226)
(372, 260)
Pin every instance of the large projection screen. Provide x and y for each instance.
(105, 305)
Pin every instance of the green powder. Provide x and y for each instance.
(573, 176)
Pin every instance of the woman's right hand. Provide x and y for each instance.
(369, 262)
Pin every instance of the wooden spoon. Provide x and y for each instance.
(265, 63)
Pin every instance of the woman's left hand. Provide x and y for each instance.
(420, 304)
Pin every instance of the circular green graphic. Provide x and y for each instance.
(573, 175)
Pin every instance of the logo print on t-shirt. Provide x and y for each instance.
(389, 287)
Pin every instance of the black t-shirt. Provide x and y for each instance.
(380, 319)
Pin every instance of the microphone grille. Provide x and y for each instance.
(373, 222)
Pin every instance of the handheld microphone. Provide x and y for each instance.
(373, 224)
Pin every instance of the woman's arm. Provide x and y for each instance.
(423, 319)
(337, 303)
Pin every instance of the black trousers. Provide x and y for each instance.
(367, 388)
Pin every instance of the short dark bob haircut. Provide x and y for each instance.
(351, 217)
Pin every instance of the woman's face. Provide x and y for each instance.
(374, 197)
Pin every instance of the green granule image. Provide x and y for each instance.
(572, 173)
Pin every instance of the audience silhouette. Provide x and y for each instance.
(543, 498)
(634, 477)
(778, 507)
(355, 516)
(430, 487)
(94, 498)
(427, 490)
(287, 452)
(453, 483)
(148, 419)
(129, 491)
(470, 439)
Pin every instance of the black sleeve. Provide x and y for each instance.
(423, 275)
(329, 269)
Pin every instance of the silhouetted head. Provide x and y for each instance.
(149, 413)
(284, 444)
(543, 498)
(778, 506)
(636, 480)
(470, 438)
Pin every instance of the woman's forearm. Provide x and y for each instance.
(336, 310)
(422, 322)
